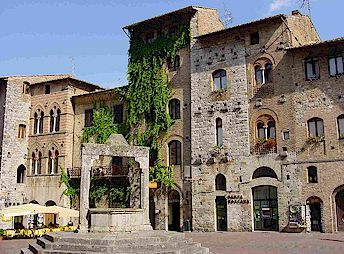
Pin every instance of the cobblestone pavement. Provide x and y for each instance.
(243, 243)
(271, 243)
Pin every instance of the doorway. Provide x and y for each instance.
(315, 204)
(340, 210)
(221, 213)
(174, 211)
(265, 208)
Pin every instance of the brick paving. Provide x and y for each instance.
(244, 243)
(271, 243)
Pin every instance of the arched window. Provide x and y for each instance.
(174, 109)
(34, 164)
(267, 72)
(36, 124)
(39, 168)
(53, 161)
(55, 115)
(264, 172)
(220, 80)
(340, 122)
(20, 173)
(259, 75)
(315, 127)
(175, 152)
(266, 127)
(220, 182)
(41, 119)
(312, 174)
(219, 140)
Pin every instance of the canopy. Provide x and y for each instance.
(21, 210)
(28, 209)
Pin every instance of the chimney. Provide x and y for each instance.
(296, 13)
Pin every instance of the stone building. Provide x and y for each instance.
(37, 121)
(257, 138)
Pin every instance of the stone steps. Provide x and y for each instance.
(152, 242)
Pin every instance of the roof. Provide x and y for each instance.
(93, 93)
(255, 22)
(318, 44)
(69, 78)
(183, 10)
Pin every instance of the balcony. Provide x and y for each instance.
(267, 147)
(263, 90)
(114, 171)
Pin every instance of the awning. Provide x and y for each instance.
(28, 209)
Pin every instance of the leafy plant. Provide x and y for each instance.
(72, 188)
(315, 139)
(261, 141)
(103, 125)
(341, 136)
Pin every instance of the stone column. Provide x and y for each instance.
(86, 165)
(144, 165)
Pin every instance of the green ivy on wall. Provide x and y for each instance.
(103, 125)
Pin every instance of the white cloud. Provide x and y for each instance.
(279, 4)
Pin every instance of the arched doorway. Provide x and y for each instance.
(340, 210)
(315, 204)
(174, 211)
(265, 208)
(221, 213)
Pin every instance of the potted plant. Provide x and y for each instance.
(315, 139)
(270, 143)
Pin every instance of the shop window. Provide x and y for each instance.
(220, 182)
(312, 70)
(88, 117)
(315, 127)
(175, 152)
(220, 80)
(336, 65)
(312, 174)
(219, 138)
(174, 109)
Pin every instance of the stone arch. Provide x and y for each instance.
(50, 203)
(263, 172)
(54, 106)
(338, 205)
(263, 111)
(34, 202)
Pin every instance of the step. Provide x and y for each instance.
(47, 245)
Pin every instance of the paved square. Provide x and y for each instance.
(270, 243)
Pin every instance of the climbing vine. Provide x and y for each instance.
(148, 95)
(103, 125)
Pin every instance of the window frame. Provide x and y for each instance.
(220, 75)
(316, 120)
(314, 61)
(118, 113)
(21, 131)
(219, 131)
(336, 65)
(314, 178)
(220, 182)
(340, 131)
(254, 35)
(88, 118)
(174, 109)
(175, 156)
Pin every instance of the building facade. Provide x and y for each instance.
(257, 139)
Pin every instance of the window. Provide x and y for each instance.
(336, 65)
(25, 87)
(36, 163)
(175, 152)
(174, 109)
(47, 89)
(220, 182)
(219, 141)
(263, 74)
(55, 120)
(38, 122)
(53, 161)
(22, 131)
(316, 127)
(340, 122)
(312, 68)
(220, 80)
(150, 37)
(173, 64)
(312, 174)
(286, 135)
(88, 117)
(118, 113)
(254, 38)
(20, 174)
(173, 31)
(266, 127)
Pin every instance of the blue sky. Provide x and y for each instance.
(46, 36)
